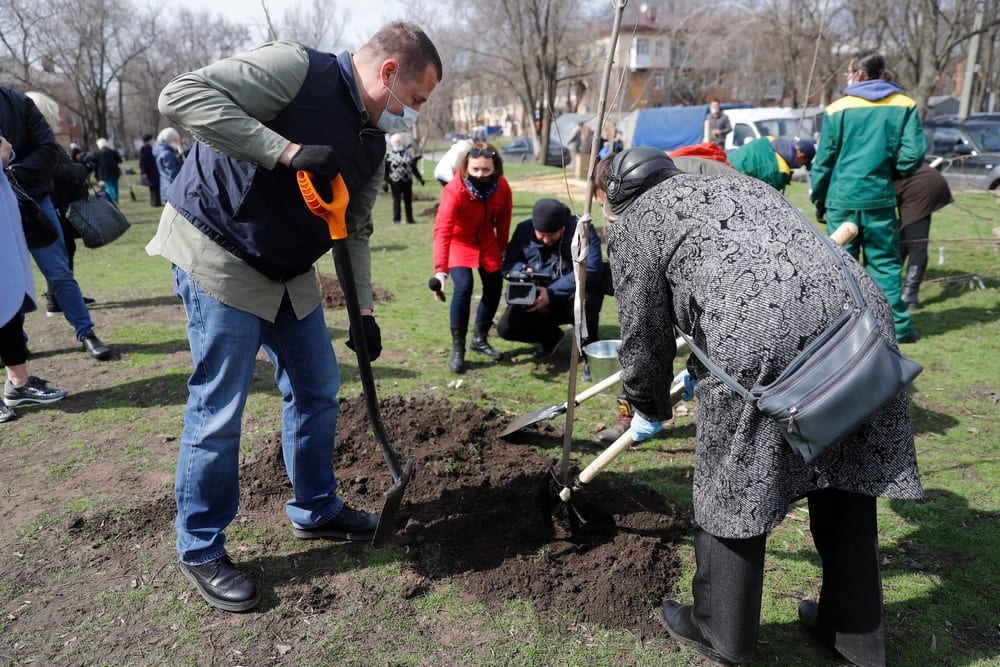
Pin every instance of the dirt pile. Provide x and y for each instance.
(471, 515)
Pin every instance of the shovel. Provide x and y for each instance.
(333, 213)
(556, 410)
(556, 498)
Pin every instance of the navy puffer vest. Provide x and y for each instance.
(258, 214)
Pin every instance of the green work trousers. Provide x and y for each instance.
(877, 247)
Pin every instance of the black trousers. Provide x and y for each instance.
(13, 351)
(542, 326)
(729, 578)
(402, 190)
(913, 240)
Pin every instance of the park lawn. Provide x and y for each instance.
(940, 557)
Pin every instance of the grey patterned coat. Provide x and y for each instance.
(731, 261)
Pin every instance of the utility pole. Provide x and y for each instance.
(971, 61)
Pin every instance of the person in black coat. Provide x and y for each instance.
(149, 173)
(107, 170)
(36, 157)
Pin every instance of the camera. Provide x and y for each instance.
(522, 287)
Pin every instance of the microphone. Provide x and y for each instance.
(435, 286)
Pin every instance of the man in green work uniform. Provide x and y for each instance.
(870, 136)
(772, 159)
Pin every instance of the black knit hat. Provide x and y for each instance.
(549, 215)
(635, 170)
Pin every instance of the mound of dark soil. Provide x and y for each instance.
(474, 513)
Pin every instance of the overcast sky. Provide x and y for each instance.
(366, 17)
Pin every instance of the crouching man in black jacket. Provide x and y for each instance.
(540, 252)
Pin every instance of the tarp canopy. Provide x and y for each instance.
(667, 128)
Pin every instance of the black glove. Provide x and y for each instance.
(373, 337)
(322, 163)
(821, 215)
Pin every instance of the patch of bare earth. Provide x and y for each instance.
(471, 518)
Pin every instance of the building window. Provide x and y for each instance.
(658, 81)
(658, 46)
(642, 47)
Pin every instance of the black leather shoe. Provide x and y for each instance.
(676, 618)
(95, 348)
(348, 524)
(222, 585)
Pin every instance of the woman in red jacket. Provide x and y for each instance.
(471, 232)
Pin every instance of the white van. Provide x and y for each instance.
(750, 124)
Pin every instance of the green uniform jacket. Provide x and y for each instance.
(759, 160)
(864, 145)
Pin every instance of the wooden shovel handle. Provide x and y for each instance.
(613, 451)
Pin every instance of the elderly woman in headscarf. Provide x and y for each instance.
(726, 259)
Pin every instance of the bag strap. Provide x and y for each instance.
(716, 370)
(852, 285)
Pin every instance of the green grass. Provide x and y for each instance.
(940, 557)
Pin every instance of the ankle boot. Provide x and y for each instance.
(457, 362)
(911, 286)
(481, 345)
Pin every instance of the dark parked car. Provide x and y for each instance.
(522, 149)
(970, 148)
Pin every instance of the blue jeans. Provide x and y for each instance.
(224, 342)
(53, 262)
(461, 298)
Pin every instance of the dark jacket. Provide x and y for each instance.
(526, 251)
(106, 164)
(239, 204)
(922, 194)
(35, 149)
(148, 171)
(70, 179)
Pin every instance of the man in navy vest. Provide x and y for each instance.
(242, 244)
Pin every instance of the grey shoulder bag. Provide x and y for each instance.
(835, 384)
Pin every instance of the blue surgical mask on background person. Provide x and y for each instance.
(391, 123)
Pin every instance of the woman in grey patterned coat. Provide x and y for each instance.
(733, 264)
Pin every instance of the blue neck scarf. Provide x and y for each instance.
(481, 193)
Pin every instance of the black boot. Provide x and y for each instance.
(481, 345)
(457, 362)
(911, 286)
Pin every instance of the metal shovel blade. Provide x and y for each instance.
(393, 498)
(536, 416)
(556, 410)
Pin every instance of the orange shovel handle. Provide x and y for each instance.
(334, 212)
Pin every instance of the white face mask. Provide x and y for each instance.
(391, 123)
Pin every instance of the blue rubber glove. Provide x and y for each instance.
(689, 383)
(643, 429)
